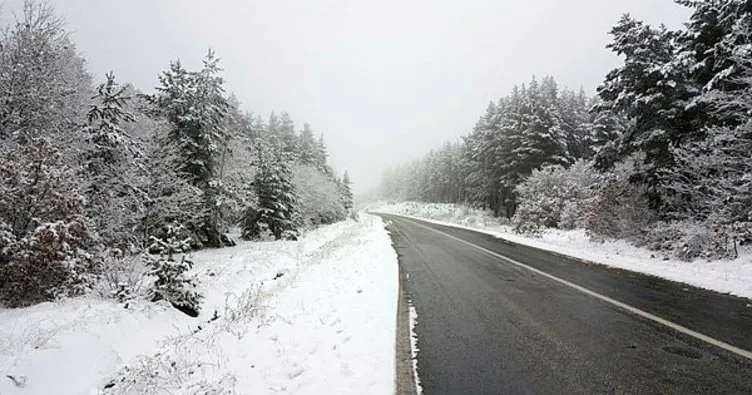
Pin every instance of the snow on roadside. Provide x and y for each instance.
(314, 316)
(726, 276)
(414, 347)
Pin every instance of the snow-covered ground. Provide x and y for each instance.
(308, 317)
(727, 276)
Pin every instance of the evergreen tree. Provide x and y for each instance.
(43, 84)
(194, 104)
(108, 160)
(715, 49)
(321, 156)
(173, 281)
(276, 211)
(46, 240)
(650, 91)
(347, 195)
(307, 146)
(287, 135)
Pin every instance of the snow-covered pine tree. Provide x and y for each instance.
(652, 92)
(710, 52)
(276, 211)
(577, 122)
(306, 146)
(167, 195)
(716, 172)
(321, 156)
(287, 135)
(173, 282)
(194, 104)
(541, 135)
(347, 195)
(46, 240)
(44, 87)
(110, 162)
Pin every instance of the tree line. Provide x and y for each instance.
(94, 175)
(659, 156)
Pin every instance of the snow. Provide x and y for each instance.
(414, 347)
(307, 317)
(725, 276)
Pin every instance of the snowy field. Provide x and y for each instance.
(726, 276)
(310, 317)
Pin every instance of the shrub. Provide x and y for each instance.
(687, 240)
(553, 197)
(122, 275)
(48, 263)
(618, 208)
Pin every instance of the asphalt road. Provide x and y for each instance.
(490, 326)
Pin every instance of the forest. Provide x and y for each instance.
(660, 156)
(98, 177)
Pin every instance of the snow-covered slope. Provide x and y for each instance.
(727, 276)
(314, 316)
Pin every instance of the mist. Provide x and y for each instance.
(383, 81)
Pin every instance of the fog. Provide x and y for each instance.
(384, 81)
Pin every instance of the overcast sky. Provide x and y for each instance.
(384, 80)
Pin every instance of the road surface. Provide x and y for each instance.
(542, 323)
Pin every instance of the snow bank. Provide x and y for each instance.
(726, 276)
(313, 316)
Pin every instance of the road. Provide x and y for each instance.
(542, 323)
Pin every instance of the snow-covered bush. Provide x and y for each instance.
(49, 262)
(319, 200)
(618, 208)
(122, 275)
(553, 197)
(173, 282)
(687, 240)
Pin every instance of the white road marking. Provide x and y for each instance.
(631, 309)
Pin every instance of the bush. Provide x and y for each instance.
(687, 241)
(618, 208)
(48, 263)
(122, 275)
(553, 197)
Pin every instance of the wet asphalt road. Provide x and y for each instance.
(486, 326)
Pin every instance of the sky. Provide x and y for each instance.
(385, 81)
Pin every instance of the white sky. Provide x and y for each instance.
(384, 80)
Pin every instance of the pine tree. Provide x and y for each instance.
(715, 49)
(652, 92)
(194, 104)
(287, 135)
(108, 163)
(347, 195)
(43, 83)
(321, 155)
(307, 146)
(173, 281)
(167, 195)
(46, 240)
(276, 211)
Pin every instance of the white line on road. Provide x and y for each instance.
(631, 309)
